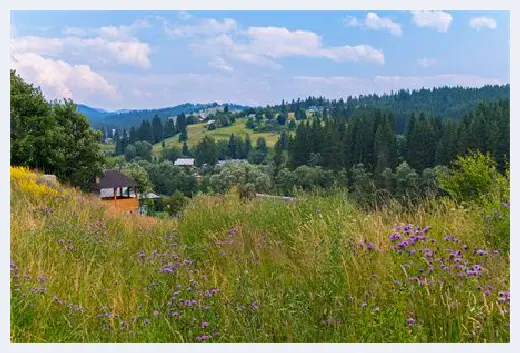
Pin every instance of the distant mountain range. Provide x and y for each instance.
(124, 118)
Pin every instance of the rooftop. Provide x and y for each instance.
(115, 179)
(185, 161)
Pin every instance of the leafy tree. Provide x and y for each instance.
(206, 152)
(248, 179)
(292, 124)
(139, 174)
(144, 150)
(130, 152)
(170, 154)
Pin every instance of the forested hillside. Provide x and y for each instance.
(448, 102)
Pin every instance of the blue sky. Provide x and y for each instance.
(152, 59)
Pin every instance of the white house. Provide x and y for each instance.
(185, 162)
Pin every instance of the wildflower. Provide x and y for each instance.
(370, 246)
(146, 321)
(480, 287)
(42, 278)
(501, 299)
(363, 305)
(411, 321)
(124, 325)
(471, 272)
(61, 241)
(395, 236)
(57, 300)
(351, 298)
(487, 293)
(204, 324)
(254, 305)
(412, 252)
(481, 252)
(465, 247)
(376, 309)
(207, 307)
(422, 283)
(495, 252)
(397, 283)
(155, 313)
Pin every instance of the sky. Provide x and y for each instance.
(153, 59)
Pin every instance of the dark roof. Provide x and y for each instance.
(115, 179)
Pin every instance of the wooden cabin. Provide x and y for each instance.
(119, 191)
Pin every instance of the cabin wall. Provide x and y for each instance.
(124, 205)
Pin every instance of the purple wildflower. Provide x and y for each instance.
(487, 293)
(204, 324)
(58, 300)
(370, 246)
(411, 321)
(363, 305)
(397, 283)
(481, 252)
(376, 309)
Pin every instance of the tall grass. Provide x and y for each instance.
(312, 270)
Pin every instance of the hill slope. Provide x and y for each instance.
(313, 270)
(125, 118)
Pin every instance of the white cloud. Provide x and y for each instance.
(482, 22)
(261, 45)
(427, 62)
(221, 64)
(129, 52)
(438, 20)
(205, 27)
(184, 15)
(124, 32)
(373, 21)
(59, 79)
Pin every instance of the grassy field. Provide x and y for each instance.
(198, 131)
(317, 269)
(107, 147)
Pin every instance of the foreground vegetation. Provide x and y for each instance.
(317, 269)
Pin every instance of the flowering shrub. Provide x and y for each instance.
(27, 182)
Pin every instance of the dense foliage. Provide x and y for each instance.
(52, 137)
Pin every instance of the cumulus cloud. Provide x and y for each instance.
(205, 27)
(221, 64)
(129, 52)
(482, 22)
(59, 79)
(115, 32)
(373, 21)
(438, 20)
(262, 45)
(427, 62)
(184, 15)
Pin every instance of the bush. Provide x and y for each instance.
(475, 178)
(175, 203)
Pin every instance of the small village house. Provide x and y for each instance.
(119, 191)
(185, 162)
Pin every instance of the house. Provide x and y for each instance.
(109, 140)
(185, 162)
(223, 162)
(210, 122)
(251, 116)
(119, 191)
